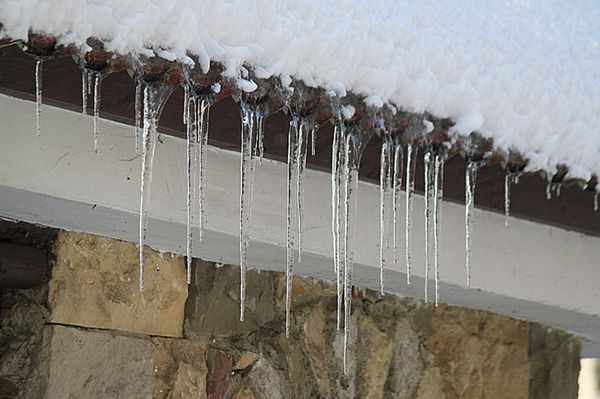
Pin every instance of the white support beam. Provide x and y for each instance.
(530, 271)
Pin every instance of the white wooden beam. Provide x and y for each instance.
(530, 271)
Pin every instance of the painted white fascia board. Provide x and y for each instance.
(530, 270)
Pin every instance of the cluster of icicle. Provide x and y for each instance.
(403, 137)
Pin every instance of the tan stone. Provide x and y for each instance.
(479, 354)
(95, 284)
(376, 355)
(316, 345)
(247, 359)
(180, 369)
(98, 364)
(245, 393)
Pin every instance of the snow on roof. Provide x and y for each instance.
(526, 74)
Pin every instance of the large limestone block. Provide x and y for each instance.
(95, 284)
(97, 364)
(479, 355)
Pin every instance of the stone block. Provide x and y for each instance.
(98, 364)
(95, 284)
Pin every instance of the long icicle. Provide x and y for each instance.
(251, 129)
(428, 164)
(596, 194)
(411, 159)
(397, 189)
(470, 181)
(292, 159)
(149, 146)
(302, 142)
(97, 80)
(335, 214)
(190, 147)
(385, 185)
(438, 196)
(202, 118)
(39, 67)
(353, 147)
(297, 148)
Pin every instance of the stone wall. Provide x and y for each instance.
(90, 334)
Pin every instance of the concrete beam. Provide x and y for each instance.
(530, 271)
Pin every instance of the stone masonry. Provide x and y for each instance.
(89, 333)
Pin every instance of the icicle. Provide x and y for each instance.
(411, 159)
(313, 141)
(296, 165)
(470, 179)
(353, 144)
(259, 149)
(203, 105)
(508, 179)
(385, 187)
(154, 99)
(438, 196)
(84, 91)
(139, 100)
(190, 146)
(596, 194)
(149, 145)
(336, 157)
(97, 80)
(428, 160)
(549, 189)
(291, 239)
(186, 104)
(397, 189)
(251, 129)
(39, 66)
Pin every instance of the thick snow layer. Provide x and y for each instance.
(526, 73)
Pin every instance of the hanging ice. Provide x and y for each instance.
(190, 162)
(428, 161)
(596, 201)
(411, 163)
(397, 189)
(348, 145)
(39, 64)
(438, 196)
(336, 159)
(97, 81)
(155, 96)
(470, 180)
(195, 115)
(509, 179)
(84, 90)
(139, 102)
(296, 163)
(252, 117)
(202, 106)
(386, 187)
(354, 143)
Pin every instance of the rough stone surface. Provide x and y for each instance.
(23, 365)
(180, 369)
(98, 364)
(95, 284)
(479, 354)
(554, 363)
(399, 348)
